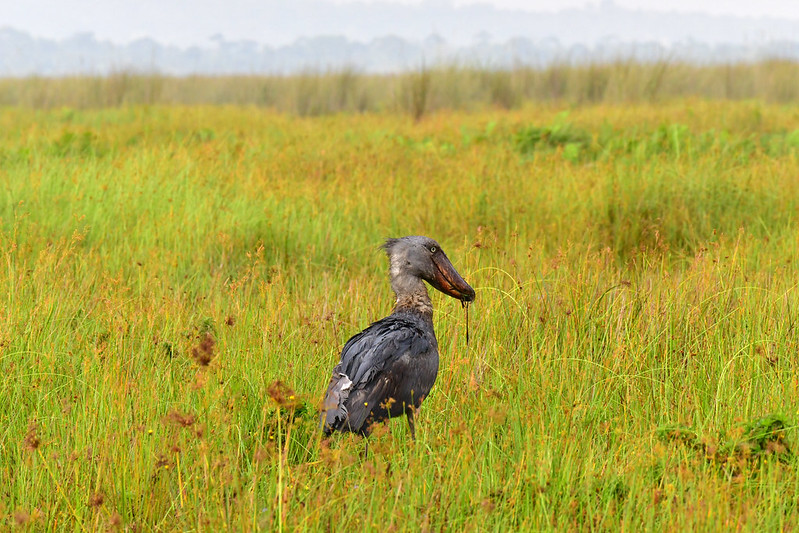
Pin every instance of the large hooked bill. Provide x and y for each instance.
(447, 280)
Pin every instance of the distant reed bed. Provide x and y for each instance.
(418, 92)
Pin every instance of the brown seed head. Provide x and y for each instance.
(96, 499)
(204, 352)
(180, 419)
(115, 521)
(21, 517)
(31, 441)
(283, 395)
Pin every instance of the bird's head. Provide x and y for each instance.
(422, 258)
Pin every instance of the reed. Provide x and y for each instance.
(429, 88)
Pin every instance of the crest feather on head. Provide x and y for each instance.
(410, 240)
(389, 245)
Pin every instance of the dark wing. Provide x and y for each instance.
(362, 381)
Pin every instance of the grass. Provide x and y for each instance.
(177, 283)
(430, 88)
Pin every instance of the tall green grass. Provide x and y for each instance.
(165, 267)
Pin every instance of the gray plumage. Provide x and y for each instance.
(390, 367)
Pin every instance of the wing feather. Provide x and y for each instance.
(362, 380)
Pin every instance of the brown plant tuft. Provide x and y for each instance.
(230, 320)
(199, 380)
(180, 419)
(31, 441)
(330, 457)
(283, 395)
(204, 352)
(21, 517)
(115, 521)
(260, 454)
(96, 499)
(162, 462)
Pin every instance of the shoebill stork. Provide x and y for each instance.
(388, 369)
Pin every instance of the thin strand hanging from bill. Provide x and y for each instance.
(466, 306)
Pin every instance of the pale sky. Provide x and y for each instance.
(743, 8)
(278, 22)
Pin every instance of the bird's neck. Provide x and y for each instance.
(411, 295)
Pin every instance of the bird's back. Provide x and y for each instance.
(384, 371)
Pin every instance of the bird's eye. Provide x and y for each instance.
(432, 249)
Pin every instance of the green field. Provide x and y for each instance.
(632, 354)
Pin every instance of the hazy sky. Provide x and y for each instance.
(188, 22)
(745, 8)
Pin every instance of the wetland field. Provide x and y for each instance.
(177, 282)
